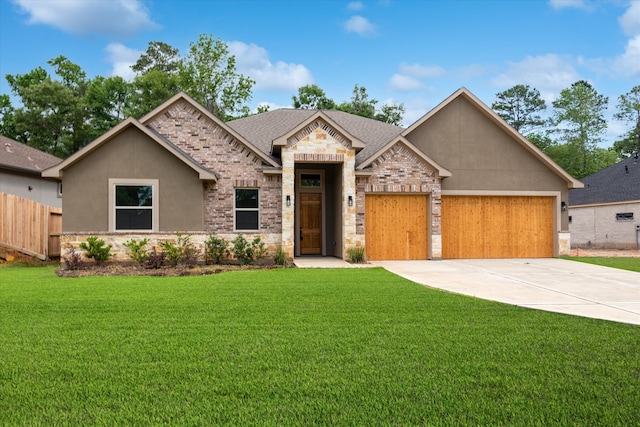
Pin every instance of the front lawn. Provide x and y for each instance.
(300, 347)
(631, 264)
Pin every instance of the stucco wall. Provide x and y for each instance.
(213, 147)
(597, 227)
(131, 155)
(43, 191)
(482, 156)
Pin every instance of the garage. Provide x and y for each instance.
(497, 227)
(396, 226)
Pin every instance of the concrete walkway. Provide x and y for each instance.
(550, 284)
(326, 262)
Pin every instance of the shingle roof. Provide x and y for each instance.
(262, 129)
(17, 156)
(617, 183)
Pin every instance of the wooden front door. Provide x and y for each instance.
(310, 223)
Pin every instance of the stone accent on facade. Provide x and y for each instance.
(238, 166)
(564, 243)
(327, 132)
(119, 251)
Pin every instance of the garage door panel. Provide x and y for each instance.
(396, 226)
(497, 227)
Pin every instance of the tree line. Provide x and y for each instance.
(63, 111)
(576, 126)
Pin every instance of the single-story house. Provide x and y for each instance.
(606, 212)
(458, 183)
(21, 167)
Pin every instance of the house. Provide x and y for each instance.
(606, 212)
(458, 183)
(20, 173)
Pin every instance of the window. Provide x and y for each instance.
(627, 216)
(247, 209)
(134, 205)
(310, 180)
(59, 190)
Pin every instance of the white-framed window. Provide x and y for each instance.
(133, 205)
(247, 209)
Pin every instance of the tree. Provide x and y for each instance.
(519, 106)
(391, 113)
(108, 100)
(208, 74)
(579, 119)
(7, 118)
(629, 111)
(360, 104)
(311, 97)
(158, 56)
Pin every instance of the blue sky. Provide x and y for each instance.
(409, 51)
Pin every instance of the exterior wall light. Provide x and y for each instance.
(563, 206)
(288, 201)
(350, 201)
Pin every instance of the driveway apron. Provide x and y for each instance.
(549, 284)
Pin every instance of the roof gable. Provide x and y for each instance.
(504, 126)
(20, 157)
(57, 170)
(617, 183)
(442, 172)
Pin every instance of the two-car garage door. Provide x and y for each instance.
(397, 226)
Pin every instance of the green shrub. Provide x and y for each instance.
(242, 250)
(356, 254)
(259, 248)
(137, 250)
(216, 249)
(95, 248)
(182, 252)
(280, 257)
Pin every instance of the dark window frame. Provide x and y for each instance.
(244, 213)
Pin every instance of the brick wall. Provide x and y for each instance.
(210, 145)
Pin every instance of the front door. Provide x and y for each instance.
(310, 223)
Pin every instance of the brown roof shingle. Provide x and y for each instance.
(18, 156)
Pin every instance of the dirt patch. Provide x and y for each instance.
(116, 269)
(606, 253)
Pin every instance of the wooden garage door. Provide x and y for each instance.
(497, 227)
(396, 226)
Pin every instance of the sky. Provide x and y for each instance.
(411, 51)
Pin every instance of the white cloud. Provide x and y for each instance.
(358, 24)
(403, 83)
(568, 4)
(253, 61)
(414, 109)
(628, 64)
(115, 18)
(272, 106)
(548, 73)
(121, 59)
(422, 71)
(630, 20)
(355, 5)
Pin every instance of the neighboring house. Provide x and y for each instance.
(20, 173)
(606, 212)
(458, 183)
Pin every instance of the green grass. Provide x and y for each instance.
(300, 347)
(631, 264)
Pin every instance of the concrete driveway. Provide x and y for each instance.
(545, 284)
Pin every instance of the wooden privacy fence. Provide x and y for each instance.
(30, 227)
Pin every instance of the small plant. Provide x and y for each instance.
(280, 257)
(155, 260)
(137, 250)
(73, 258)
(95, 248)
(259, 248)
(216, 249)
(242, 250)
(182, 252)
(356, 254)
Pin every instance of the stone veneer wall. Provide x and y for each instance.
(318, 142)
(119, 251)
(238, 167)
(400, 170)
